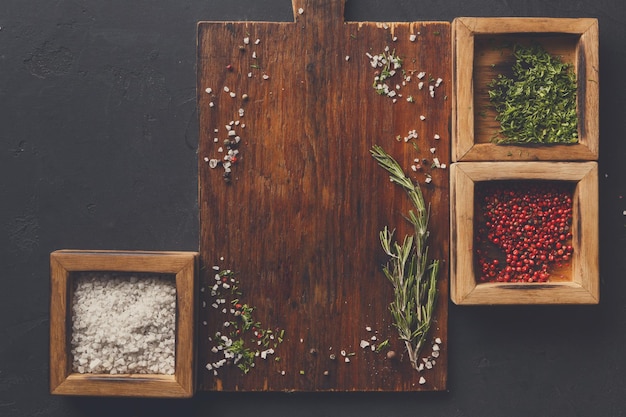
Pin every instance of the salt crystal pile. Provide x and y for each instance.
(123, 324)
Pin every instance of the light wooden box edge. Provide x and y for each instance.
(183, 264)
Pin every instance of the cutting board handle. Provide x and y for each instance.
(321, 12)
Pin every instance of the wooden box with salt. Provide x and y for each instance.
(122, 323)
(524, 233)
(486, 54)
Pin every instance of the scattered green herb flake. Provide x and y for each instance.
(382, 345)
(538, 104)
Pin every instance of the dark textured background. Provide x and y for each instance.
(98, 134)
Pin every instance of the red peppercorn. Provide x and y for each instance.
(527, 222)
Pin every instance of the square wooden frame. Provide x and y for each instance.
(583, 288)
(465, 124)
(63, 381)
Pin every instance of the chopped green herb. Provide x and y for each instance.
(538, 104)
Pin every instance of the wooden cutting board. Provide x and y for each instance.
(299, 215)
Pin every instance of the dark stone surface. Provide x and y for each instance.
(98, 134)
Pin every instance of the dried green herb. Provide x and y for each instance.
(243, 339)
(538, 104)
(414, 279)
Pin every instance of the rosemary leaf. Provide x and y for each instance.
(414, 280)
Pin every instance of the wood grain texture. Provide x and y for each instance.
(299, 222)
(576, 284)
(183, 265)
(481, 53)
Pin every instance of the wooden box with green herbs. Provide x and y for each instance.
(525, 89)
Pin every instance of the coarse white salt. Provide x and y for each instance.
(422, 117)
(437, 136)
(246, 40)
(123, 324)
(226, 89)
(422, 380)
(364, 344)
(258, 41)
(209, 90)
(300, 10)
(211, 104)
(413, 37)
(421, 74)
(266, 77)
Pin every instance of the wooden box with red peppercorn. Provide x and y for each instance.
(524, 233)
(122, 323)
(525, 89)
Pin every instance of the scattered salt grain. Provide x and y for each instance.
(209, 90)
(422, 380)
(300, 10)
(413, 37)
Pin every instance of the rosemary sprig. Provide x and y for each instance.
(414, 279)
(538, 104)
